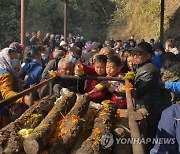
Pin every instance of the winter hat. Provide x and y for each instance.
(62, 43)
(143, 47)
(96, 45)
(89, 47)
(158, 45)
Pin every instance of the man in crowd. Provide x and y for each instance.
(147, 87)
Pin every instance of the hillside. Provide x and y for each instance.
(93, 19)
(142, 19)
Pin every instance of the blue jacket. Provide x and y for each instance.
(169, 128)
(34, 71)
(173, 87)
(157, 61)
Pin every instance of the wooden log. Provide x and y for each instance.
(15, 126)
(15, 142)
(41, 134)
(88, 124)
(71, 126)
(102, 126)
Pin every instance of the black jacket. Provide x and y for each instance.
(147, 85)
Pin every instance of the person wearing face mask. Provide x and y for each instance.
(171, 46)
(32, 69)
(157, 55)
(9, 86)
(18, 48)
(72, 55)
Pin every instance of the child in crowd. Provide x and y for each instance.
(98, 69)
(129, 66)
(130, 63)
(113, 68)
(117, 88)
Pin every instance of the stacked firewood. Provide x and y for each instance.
(70, 127)
(102, 126)
(40, 136)
(56, 125)
(11, 136)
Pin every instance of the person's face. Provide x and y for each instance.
(158, 52)
(66, 69)
(140, 58)
(100, 68)
(130, 62)
(35, 35)
(112, 69)
(106, 42)
(38, 33)
(70, 35)
(125, 55)
(74, 55)
(119, 44)
(13, 55)
(105, 52)
(166, 64)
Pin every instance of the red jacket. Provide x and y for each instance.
(118, 97)
(90, 85)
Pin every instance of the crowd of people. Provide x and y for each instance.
(156, 66)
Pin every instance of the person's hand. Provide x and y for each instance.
(27, 100)
(64, 91)
(79, 70)
(122, 88)
(53, 73)
(111, 89)
(108, 84)
(87, 94)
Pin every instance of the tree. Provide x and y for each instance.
(10, 21)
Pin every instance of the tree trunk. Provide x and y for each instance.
(71, 126)
(36, 141)
(15, 142)
(102, 126)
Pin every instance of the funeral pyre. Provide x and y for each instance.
(71, 124)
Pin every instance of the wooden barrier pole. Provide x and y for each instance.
(30, 90)
(134, 129)
(23, 93)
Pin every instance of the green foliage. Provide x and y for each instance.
(45, 15)
(88, 18)
(94, 19)
(10, 21)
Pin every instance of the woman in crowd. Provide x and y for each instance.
(9, 86)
